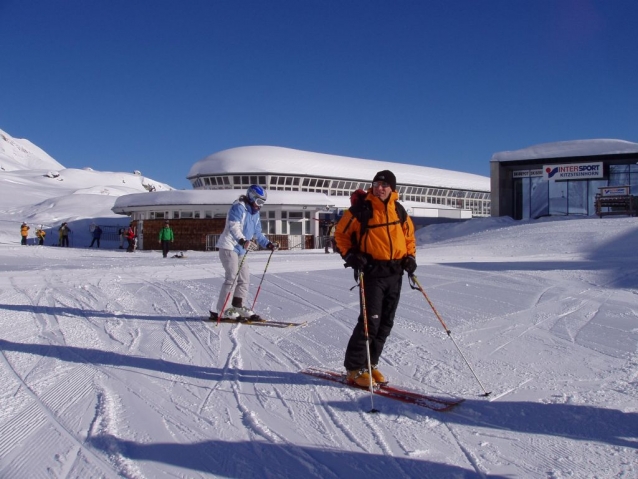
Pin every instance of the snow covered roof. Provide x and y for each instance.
(218, 197)
(287, 161)
(566, 149)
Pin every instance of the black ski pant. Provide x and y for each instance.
(165, 247)
(382, 296)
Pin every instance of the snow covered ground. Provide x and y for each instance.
(107, 370)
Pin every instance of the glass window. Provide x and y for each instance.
(577, 197)
(618, 175)
(558, 197)
(208, 214)
(253, 180)
(175, 215)
(262, 180)
(196, 214)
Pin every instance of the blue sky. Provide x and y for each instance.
(157, 85)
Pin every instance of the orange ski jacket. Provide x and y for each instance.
(384, 238)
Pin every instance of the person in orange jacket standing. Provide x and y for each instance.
(376, 238)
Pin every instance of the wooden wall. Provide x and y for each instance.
(190, 234)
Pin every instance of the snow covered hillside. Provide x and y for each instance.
(40, 191)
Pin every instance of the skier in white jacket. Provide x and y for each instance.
(241, 234)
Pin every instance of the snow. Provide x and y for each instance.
(564, 149)
(288, 161)
(107, 369)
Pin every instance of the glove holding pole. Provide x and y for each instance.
(416, 285)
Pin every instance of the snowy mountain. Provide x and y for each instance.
(40, 191)
(107, 369)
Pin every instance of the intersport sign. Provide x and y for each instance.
(573, 171)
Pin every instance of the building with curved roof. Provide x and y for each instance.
(286, 169)
(305, 189)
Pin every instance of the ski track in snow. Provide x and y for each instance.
(117, 376)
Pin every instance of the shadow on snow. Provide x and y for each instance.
(577, 422)
(249, 459)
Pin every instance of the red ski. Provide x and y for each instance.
(405, 395)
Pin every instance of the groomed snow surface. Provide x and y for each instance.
(107, 369)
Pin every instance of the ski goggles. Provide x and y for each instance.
(260, 201)
(382, 184)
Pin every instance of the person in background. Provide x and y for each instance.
(97, 234)
(130, 237)
(121, 232)
(24, 233)
(378, 241)
(241, 234)
(332, 226)
(64, 234)
(41, 235)
(166, 237)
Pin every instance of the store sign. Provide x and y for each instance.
(527, 173)
(614, 191)
(574, 171)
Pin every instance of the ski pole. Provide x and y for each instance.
(414, 279)
(232, 288)
(365, 331)
(262, 280)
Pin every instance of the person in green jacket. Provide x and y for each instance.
(166, 237)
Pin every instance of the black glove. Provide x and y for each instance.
(409, 264)
(356, 261)
(272, 246)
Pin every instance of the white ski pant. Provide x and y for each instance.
(230, 261)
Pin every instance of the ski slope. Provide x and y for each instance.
(107, 369)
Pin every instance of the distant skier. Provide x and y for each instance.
(130, 237)
(241, 234)
(41, 235)
(377, 237)
(64, 231)
(97, 234)
(122, 233)
(166, 237)
(24, 233)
